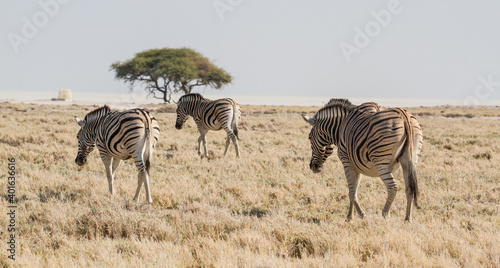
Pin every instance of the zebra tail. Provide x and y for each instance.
(236, 116)
(412, 172)
(413, 183)
(148, 151)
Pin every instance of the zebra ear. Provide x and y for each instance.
(79, 121)
(308, 119)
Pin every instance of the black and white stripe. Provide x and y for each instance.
(210, 115)
(368, 107)
(119, 136)
(371, 141)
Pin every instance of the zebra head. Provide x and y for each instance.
(318, 147)
(87, 134)
(185, 107)
(324, 135)
(182, 114)
(320, 150)
(86, 142)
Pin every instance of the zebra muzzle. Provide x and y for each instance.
(80, 161)
(316, 168)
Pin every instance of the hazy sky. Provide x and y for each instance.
(386, 49)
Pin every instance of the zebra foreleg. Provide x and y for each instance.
(202, 138)
(116, 163)
(107, 160)
(353, 179)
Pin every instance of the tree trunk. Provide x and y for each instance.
(165, 97)
(185, 88)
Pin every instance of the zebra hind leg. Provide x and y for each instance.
(146, 186)
(388, 180)
(228, 140)
(142, 178)
(139, 185)
(408, 173)
(236, 146)
(231, 136)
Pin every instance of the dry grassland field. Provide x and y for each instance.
(267, 209)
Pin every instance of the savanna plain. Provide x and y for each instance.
(266, 209)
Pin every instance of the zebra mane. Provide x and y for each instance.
(191, 97)
(344, 104)
(97, 113)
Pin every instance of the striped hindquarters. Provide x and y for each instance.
(370, 140)
(125, 134)
(214, 115)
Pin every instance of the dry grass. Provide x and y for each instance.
(264, 210)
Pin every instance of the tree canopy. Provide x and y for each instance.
(170, 70)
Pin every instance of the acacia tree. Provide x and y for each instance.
(170, 70)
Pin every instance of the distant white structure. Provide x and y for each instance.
(64, 95)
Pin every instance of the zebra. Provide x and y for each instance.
(210, 115)
(119, 136)
(371, 141)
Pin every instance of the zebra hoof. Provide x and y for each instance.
(386, 214)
